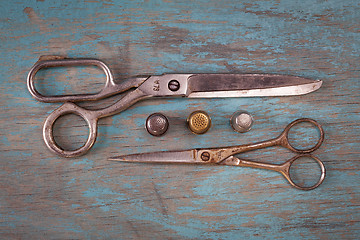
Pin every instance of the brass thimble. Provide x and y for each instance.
(199, 122)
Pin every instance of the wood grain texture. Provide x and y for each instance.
(44, 196)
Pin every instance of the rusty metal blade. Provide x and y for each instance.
(186, 156)
(249, 85)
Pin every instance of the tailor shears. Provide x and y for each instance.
(225, 156)
(166, 85)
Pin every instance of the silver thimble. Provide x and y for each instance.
(157, 124)
(241, 121)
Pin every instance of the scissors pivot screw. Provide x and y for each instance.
(205, 156)
(174, 85)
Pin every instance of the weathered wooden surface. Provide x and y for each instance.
(44, 196)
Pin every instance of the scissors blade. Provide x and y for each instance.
(186, 156)
(249, 85)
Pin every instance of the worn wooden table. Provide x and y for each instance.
(45, 196)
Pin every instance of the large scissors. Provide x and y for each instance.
(225, 156)
(166, 85)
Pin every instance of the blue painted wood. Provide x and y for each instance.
(45, 196)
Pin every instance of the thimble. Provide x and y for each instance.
(199, 122)
(241, 121)
(157, 124)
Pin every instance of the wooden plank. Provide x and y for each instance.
(45, 196)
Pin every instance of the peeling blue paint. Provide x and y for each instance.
(88, 197)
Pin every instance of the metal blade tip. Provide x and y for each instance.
(186, 156)
(118, 158)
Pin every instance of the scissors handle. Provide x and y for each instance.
(283, 139)
(216, 155)
(90, 116)
(284, 168)
(110, 88)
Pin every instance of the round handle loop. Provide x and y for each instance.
(70, 108)
(284, 137)
(287, 175)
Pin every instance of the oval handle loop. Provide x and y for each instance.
(70, 108)
(57, 61)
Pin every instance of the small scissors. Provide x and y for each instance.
(166, 85)
(225, 155)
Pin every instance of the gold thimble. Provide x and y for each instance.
(199, 122)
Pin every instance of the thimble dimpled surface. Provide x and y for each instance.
(157, 124)
(199, 122)
(241, 121)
